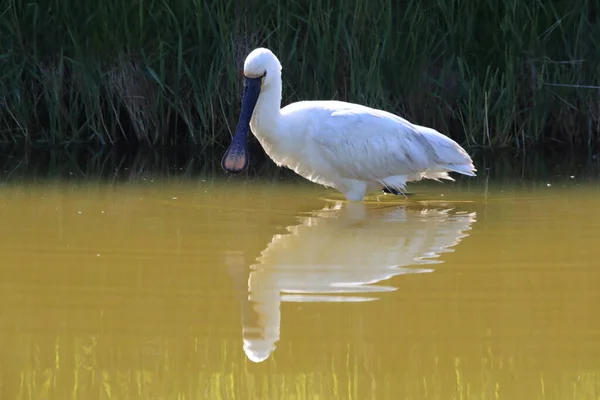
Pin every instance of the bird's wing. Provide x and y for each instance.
(360, 143)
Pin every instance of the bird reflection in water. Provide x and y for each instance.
(340, 254)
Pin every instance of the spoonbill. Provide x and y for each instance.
(350, 147)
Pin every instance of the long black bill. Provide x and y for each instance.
(236, 158)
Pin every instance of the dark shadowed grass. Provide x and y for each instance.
(489, 73)
(117, 165)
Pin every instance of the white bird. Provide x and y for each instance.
(352, 148)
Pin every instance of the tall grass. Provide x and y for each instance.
(490, 73)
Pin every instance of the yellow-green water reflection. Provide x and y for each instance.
(176, 289)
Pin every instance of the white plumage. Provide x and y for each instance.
(350, 147)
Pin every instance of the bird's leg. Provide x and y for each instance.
(396, 192)
(354, 190)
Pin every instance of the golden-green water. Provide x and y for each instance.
(205, 288)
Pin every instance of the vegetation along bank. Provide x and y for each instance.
(488, 73)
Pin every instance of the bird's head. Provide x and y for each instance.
(262, 63)
(261, 69)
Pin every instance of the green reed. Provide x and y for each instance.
(490, 73)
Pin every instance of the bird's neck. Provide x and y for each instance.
(266, 116)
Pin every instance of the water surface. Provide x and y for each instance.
(180, 283)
